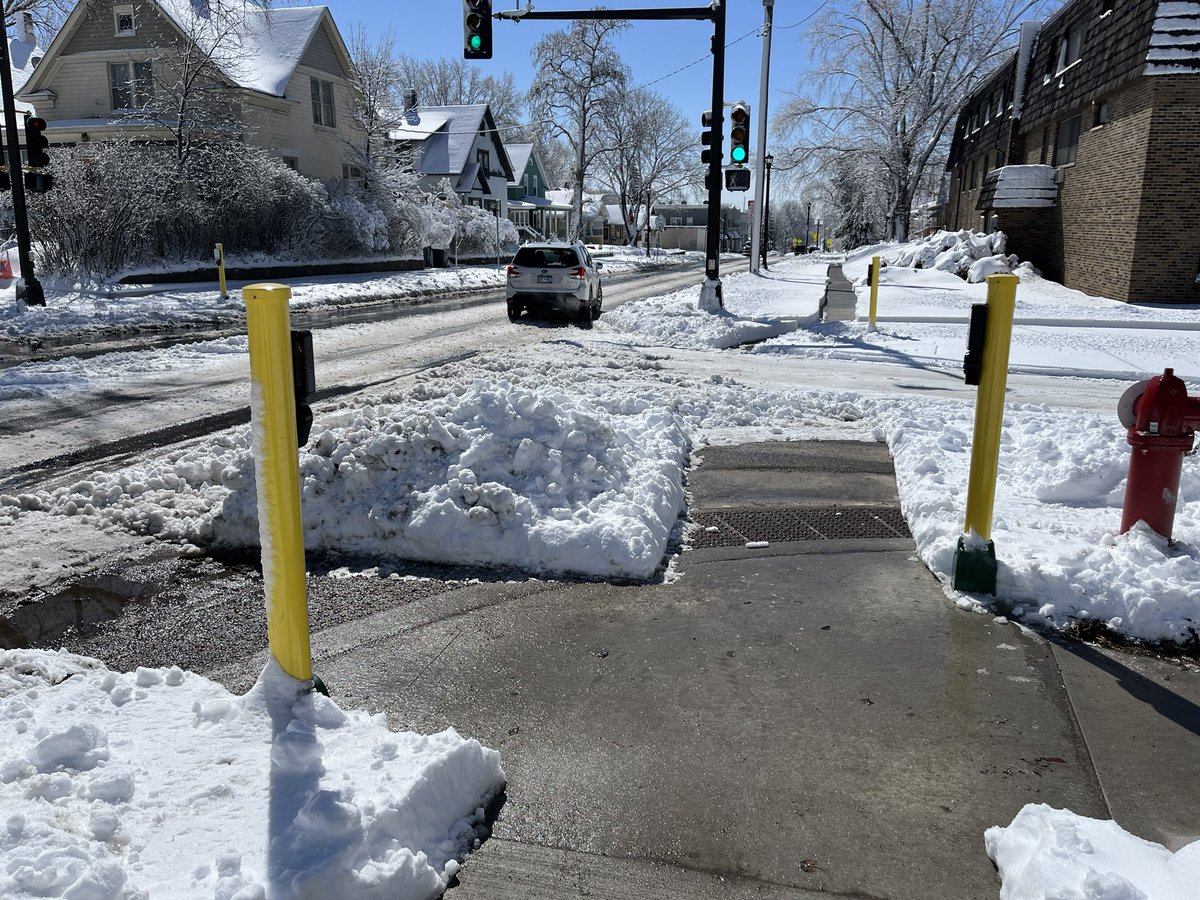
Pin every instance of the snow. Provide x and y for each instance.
(1053, 853)
(1025, 186)
(569, 454)
(1175, 39)
(124, 308)
(268, 44)
(158, 783)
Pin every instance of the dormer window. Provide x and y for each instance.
(123, 21)
(1070, 46)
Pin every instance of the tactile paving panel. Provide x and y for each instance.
(736, 527)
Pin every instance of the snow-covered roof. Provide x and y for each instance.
(613, 213)
(259, 52)
(449, 133)
(593, 204)
(1175, 39)
(1023, 187)
(519, 154)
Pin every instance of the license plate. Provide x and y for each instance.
(545, 279)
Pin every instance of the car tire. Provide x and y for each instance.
(514, 313)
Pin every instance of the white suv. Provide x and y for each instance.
(554, 276)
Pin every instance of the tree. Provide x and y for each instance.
(650, 149)
(451, 82)
(183, 86)
(892, 76)
(578, 72)
(377, 108)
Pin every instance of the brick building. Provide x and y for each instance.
(1084, 148)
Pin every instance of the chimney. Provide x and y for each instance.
(25, 28)
(409, 100)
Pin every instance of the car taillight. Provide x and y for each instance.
(581, 272)
(513, 270)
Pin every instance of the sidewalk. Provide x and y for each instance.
(808, 718)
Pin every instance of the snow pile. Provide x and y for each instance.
(1049, 852)
(463, 472)
(1060, 488)
(756, 308)
(967, 254)
(160, 783)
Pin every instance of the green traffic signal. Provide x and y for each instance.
(738, 154)
(476, 42)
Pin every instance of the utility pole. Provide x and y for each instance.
(756, 236)
(807, 225)
(29, 289)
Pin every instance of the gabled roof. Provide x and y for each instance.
(258, 52)
(519, 154)
(449, 133)
(22, 55)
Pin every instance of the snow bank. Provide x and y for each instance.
(462, 472)
(160, 783)
(1049, 852)
(970, 255)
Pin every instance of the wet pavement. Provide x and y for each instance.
(803, 717)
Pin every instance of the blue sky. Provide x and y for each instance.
(652, 50)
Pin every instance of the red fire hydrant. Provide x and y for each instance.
(1161, 420)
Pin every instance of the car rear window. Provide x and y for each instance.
(546, 257)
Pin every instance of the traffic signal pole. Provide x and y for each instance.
(710, 292)
(29, 288)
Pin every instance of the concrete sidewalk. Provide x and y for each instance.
(809, 718)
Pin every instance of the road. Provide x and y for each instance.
(185, 391)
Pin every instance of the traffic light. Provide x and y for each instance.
(5, 180)
(706, 121)
(477, 29)
(36, 144)
(737, 179)
(739, 133)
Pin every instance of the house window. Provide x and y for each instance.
(999, 159)
(351, 173)
(1100, 117)
(1070, 46)
(971, 176)
(132, 84)
(1067, 144)
(123, 21)
(292, 163)
(983, 170)
(322, 103)
(484, 158)
(1044, 156)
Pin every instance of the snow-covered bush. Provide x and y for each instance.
(119, 206)
(968, 254)
(472, 231)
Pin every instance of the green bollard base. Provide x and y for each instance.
(319, 685)
(974, 570)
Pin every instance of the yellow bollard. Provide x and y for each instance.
(874, 290)
(974, 563)
(219, 253)
(273, 425)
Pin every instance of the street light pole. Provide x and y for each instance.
(766, 212)
(807, 225)
(757, 239)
